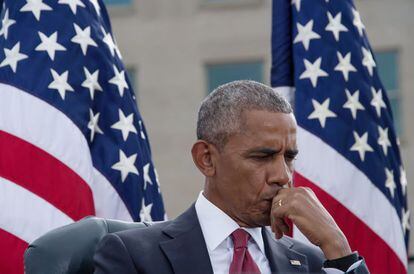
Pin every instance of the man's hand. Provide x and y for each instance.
(302, 207)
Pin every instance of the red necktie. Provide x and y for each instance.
(242, 260)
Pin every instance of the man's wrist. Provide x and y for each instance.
(337, 247)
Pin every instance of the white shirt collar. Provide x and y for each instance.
(217, 225)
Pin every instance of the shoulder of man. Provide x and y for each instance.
(132, 251)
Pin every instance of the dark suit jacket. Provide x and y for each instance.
(178, 246)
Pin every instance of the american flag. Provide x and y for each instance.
(72, 142)
(349, 152)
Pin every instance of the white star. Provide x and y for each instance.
(141, 130)
(157, 179)
(109, 42)
(60, 83)
(335, 25)
(297, 4)
(83, 38)
(403, 180)
(96, 6)
(147, 178)
(353, 103)
(358, 22)
(125, 124)
(145, 212)
(383, 140)
(36, 7)
(93, 124)
(344, 65)
(73, 4)
(377, 101)
(313, 71)
(49, 44)
(389, 182)
(361, 145)
(126, 165)
(119, 81)
(368, 61)
(91, 81)
(405, 216)
(321, 111)
(12, 57)
(305, 34)
(6, 24)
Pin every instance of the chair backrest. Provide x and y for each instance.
(70, 249)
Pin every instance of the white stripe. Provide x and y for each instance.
(44, 126)
(324, 166)
(23, 213)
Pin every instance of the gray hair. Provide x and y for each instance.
(220, 112)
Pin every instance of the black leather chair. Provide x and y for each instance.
(70, 249)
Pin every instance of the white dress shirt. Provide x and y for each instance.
(217, 227)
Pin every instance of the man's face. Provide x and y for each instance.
(253, 165)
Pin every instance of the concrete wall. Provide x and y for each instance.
(169, 43)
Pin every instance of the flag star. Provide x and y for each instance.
(49, 44)
(93, 124)
(335, 25)
(361, 145)
(383, 139)
(321, 111)
(147, 178)
(377, 102)
(126, 165)
(60, 83)
(119, 81)
(6, 24)
(305, 34)
(157, 179)
(96, 6)
(117, 50)
(91, 81)
(141, 130)
(389, 182)
(313, 71)
(36, 7)
(353, 103)
(109, 42)
(12, 57)
(368, 61)
(403, 180)
(358, 22)
(83, 38)
(73, 4)
(125, 124)
(297, 4)
(344, 65)
(145, 212)
(405, 216)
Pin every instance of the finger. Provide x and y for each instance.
(281, 227)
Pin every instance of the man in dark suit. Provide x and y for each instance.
(245, 149)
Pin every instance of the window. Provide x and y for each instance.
(387, 64)
(118, 2)
(218, 74)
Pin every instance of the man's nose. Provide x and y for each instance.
(279, 172)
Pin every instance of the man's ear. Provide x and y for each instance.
(202, 153)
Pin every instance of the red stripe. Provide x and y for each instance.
(11, 253)
(380, 258)
(44, 175)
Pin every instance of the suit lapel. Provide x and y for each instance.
(282, 259)
(186, 250)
